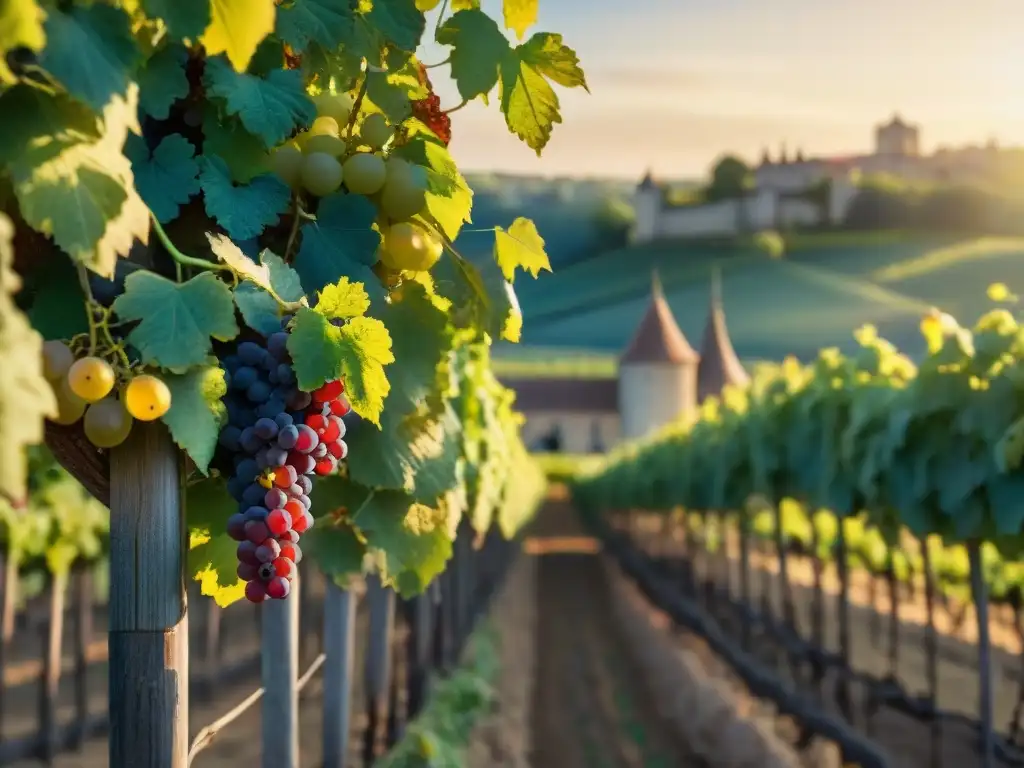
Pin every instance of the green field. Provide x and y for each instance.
(824, 287)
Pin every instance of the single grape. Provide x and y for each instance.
(261, 459)
(316, 422)
(266, 428)
(270, 409)
(299, 400)
(70, 406)
(246, 553)
(288, 436)
(286, 162)
(229, 438)
(305, 501)
(91, 378)
(283, 420)
(259, 392)
(250, 441)
(257, 531)
(336, 450)
(340, 407)
(328, 391)
(268, 551)
(405, 190)
(276, 456)
(147, 397)
(289, 537)
(247, 572)
(277, 346)
(266, 572)
(279, 521)
(57, 360)
(364, 173)
(236, 487)
(275, 498)
(244, 377)
(278, 588)
(410, 247)
(319, 452)
(325, 144)
(236, 526)
(321, 174)
(253, 495)
(250, 353)
(336, 105)
(326, 465)
(303, 462)
(296, 490)
(307, 440)
(107, 423)
(375, 131)
(285, 374)
(284, 568)
(255, 592)
(294, 508)
(304, 483)
(256, 512)
(334, 430)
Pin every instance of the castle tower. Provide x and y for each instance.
(657, 372)
(719, 365)
(647, 209)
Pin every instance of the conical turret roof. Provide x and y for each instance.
(719, 364)
(658, 339)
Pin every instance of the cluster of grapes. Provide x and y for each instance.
(429, 111)
(278, 438)
(322, 161)
(84, 389)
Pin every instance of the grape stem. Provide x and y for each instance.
(90, 305)
(358, 103)
(439, 64)
(179, 257)
(456, 108)
(297, 216)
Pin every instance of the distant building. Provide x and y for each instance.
(782, 195)
(660, 379)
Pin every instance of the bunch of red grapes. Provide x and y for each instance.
(429, 111)
(277, 438)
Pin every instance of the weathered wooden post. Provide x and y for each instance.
(148, 611)
(279, 655)
(339, 647)
(381, 604)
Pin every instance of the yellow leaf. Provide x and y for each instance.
(237, 27)
(522, 246)
(520, 15)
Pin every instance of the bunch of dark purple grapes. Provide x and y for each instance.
(278, 438)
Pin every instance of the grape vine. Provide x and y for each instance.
(239, 219)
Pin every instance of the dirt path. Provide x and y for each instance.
(588, 708)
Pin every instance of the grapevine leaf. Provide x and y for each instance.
(322, 21)
(184, 18)
(21, 26)
(270, 273)
(213, 562)
(421, 339)
(91, 51)
(270, 107)
(38, 127)
(197, 413)
(478, 48)
(167, 179)
(393, 91)
(25, 395)
(520, 15)
(237, 27)
(449, 198)
(335, 549)
(162, 81)
(93, 179)
(242, 152)
(356, 353)
(342, 301)
(340, 243)
(412, 538)
(399, 22)
(259, 309)
(522, 246)
(244, 210)
(482, 295)
(58, 309)
(207, 505)
(528, 101)
(177, 320)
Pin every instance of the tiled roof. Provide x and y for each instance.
(658, 338)
(719, 364)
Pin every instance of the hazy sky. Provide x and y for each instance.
(676, 82)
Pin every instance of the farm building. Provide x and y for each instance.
(660, 378)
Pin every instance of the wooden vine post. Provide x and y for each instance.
(148, 609)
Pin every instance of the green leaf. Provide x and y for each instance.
(343, 300)
(421, 339)
(177, 321)
(259, 309)
(478, 48)
(21, 26)
(58, 309)
(271, 107)
(340, 243)
(243, 210)
(184, 18)
(91, 51)
(393, 91)
(208, 505)
(167, 179)
(68, 172)
(214, 563)
(482, 296)
(271, 273)
(25, 395)
(162, 81)
(529, 103)
(237, 27)
(335, 549)
(326, 22)
(197, 413)
(522, 246)
(449, 198)
(225, 137)
(356, 353)
(37, 127)
(399, 21)
(411, 536)
(520, 15)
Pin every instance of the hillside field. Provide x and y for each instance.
(579, 318)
